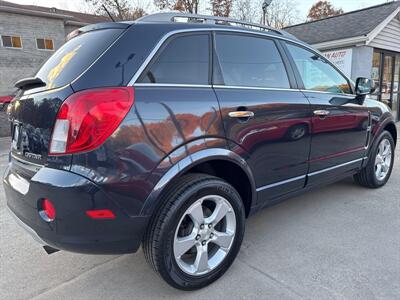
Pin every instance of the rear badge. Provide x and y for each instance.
(33, 155)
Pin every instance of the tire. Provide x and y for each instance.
(172, 224)
(368, 176)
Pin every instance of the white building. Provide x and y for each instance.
(362, 43)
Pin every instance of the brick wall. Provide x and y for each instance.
(19, 63)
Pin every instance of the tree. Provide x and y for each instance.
(190, 6)
(279, 14)
(245, 10)
(323, 9)
(137, 13)
(282, 13)
(221, 8)
(242, 10)
(119, 9)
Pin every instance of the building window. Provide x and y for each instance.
(10, 41)
(45, 44)
(385, 73)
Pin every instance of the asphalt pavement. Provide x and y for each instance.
(337, 242)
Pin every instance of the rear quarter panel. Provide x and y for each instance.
(165, 125)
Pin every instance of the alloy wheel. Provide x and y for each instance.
(204, 235)
(383, 159)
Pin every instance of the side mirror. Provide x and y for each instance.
(363, 86)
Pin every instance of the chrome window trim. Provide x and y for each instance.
(205, 29)
(322, 92)
(212, 86)
(337, 166)
(172, 85)
(218, 86)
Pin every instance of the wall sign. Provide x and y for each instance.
(341, 59)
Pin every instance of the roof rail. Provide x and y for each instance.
(194, 18)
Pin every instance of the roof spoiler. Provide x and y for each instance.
(98, 26)
(29, 83)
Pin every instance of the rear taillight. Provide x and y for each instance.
(86, 119)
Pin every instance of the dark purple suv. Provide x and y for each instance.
(170, 131)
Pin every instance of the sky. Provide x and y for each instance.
(303, 5)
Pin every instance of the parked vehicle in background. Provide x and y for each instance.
(5, 100)
(168, 132)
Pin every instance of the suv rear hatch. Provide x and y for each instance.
(34, 110)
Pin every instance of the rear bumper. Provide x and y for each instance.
(28, 229)
(72, 230)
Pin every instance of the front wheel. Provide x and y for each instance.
(197, 232)
(379, 167)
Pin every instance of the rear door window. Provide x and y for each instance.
(184, 60)
(75, 56)
(250, 61)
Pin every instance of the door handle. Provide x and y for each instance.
(241, 114)
(321, 113)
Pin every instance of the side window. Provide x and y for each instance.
(317, 74)
(250, 61)
(184, 60)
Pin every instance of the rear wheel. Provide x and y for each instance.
(377, 172)
(197, 232)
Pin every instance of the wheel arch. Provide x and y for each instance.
(219, 162)
(391, 127)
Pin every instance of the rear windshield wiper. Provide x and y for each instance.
(29, 83)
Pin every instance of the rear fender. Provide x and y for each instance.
(189, 162)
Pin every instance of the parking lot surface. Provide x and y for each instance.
(337, 242)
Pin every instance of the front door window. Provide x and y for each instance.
(317, 73)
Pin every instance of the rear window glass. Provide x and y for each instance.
(75, 56)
